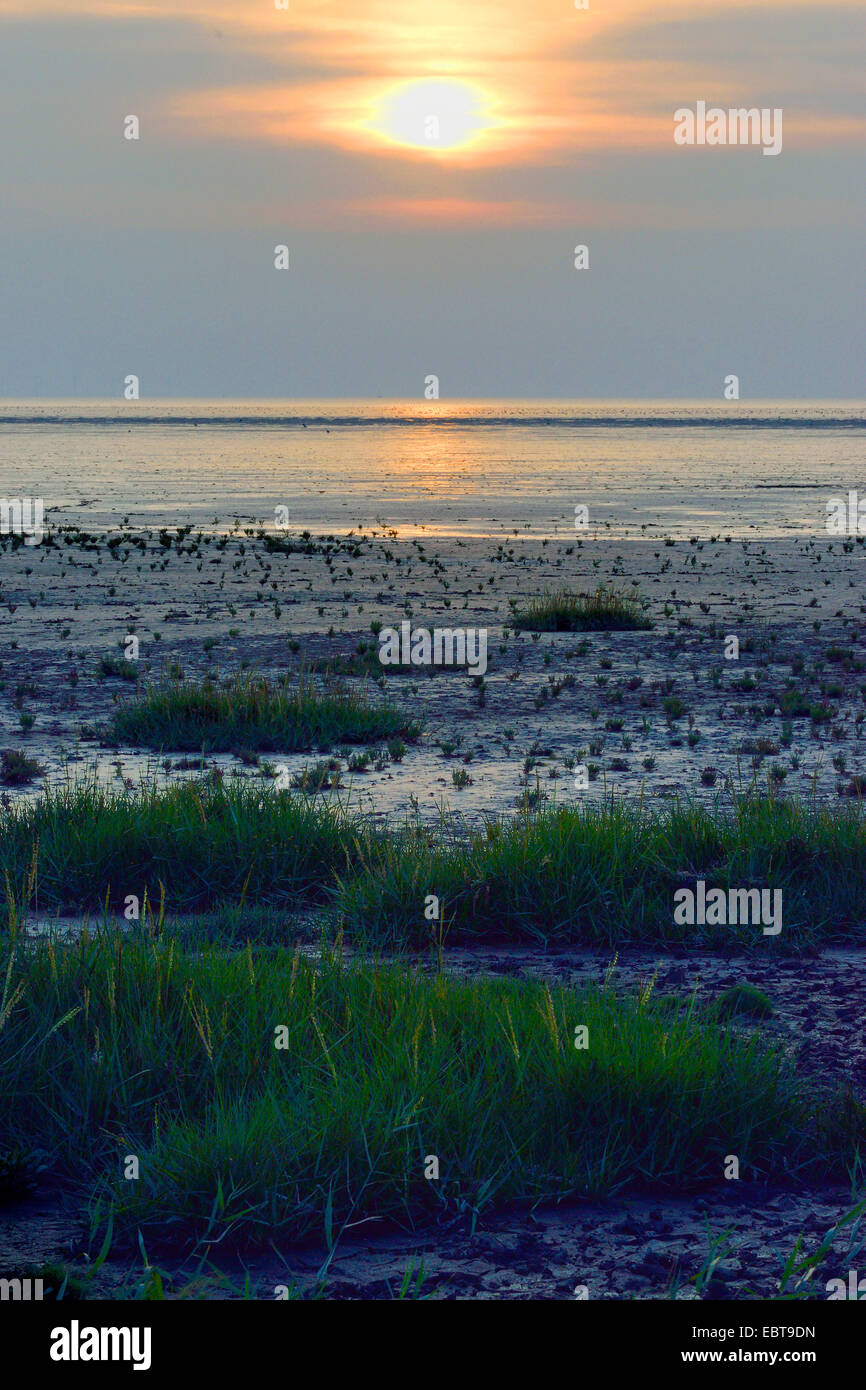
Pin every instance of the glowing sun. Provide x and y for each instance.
(433, 114)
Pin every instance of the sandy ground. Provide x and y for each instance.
(795, 606)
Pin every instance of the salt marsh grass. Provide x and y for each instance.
(563, 610)
(116, 1046)
(602, 875)
(257, 714)
(198, 843)
(607, 874)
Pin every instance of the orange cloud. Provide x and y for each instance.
(552, 83)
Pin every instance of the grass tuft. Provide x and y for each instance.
(743, 1001)
(16, 769)
(200, 843)
(256, 714)
(605, 610)
(607, 875)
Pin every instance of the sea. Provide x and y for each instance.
(447, 468)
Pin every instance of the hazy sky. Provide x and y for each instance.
(417, 248)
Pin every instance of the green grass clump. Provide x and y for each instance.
(16, 769)
(795, 705)
(605, 610)
(203, 843)
(254, 713)
(744, 1001)
(608, 874)
(117, 667)
(116, 1045)
(324, 775)
(673, 708)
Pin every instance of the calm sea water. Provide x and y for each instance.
(448, 468)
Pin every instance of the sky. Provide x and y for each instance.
(431, 168)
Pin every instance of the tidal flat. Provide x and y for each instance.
(120, 836)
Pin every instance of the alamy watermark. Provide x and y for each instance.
(77, 1343)
(21, 1290)
(444, 646)
(23, 516)
(738, 125)
(719, 907)
(846, 516)
(854, 1290)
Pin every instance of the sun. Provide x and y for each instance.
(437, 114)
